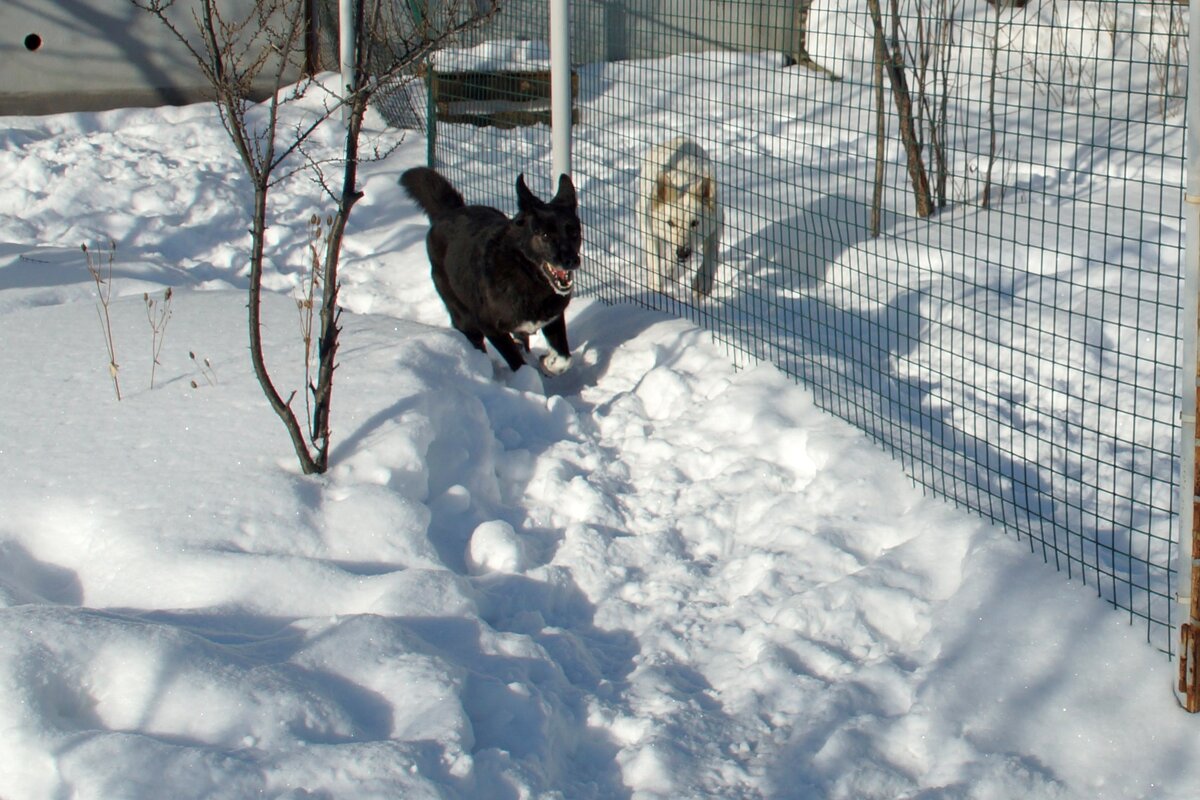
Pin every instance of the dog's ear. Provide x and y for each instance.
(566, 192)
(664, 192)
(526, 200)
(708, 193)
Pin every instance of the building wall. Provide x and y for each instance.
(615, 30)
(77, 55)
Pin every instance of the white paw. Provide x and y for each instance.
(555, 364)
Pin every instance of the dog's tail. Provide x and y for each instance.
(431, 191)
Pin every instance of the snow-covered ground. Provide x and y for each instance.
(656, 576)
(1021, 359)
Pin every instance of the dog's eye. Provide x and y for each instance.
(695, 222)
(671, 222)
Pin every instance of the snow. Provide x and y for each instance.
(655, 576)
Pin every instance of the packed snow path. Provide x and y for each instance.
(719, 594)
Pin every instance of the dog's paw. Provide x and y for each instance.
(555, 364)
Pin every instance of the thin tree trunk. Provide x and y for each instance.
(327, 343)
(986, 199)
(798, 53)
(880, 139)
(282, 409)
(940, 123)
(893, 63)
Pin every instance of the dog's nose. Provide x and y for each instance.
(683, 253)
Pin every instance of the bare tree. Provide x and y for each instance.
(932, 56)
(237, 57)
(889, 53)
(985, 199)
(798, 54)
(876, 221)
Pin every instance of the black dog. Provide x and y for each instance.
(499, 277)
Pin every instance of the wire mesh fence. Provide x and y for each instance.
(959, 224)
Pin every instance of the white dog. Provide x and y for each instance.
(680, 213)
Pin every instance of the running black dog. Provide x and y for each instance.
(501, 277)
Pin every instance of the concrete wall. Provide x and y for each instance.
(614, 30)
(78, 55)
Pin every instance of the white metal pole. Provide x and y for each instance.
(1188, 686)
(346, 51)
(560, 88)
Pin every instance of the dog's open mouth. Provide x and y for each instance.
(560, 279)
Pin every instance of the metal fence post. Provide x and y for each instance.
(431, 114)
(346, 52)
(1188, 550)
(560, 88)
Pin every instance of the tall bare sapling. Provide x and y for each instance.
(242, 55)
(888, 51)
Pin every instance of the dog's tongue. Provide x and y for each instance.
(559, 278)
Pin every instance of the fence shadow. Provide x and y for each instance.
(825, 328)
(796, 253)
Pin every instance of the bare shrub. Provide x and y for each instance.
(236, 55)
